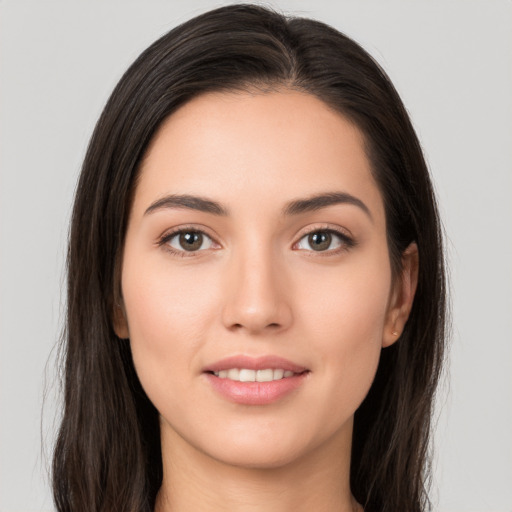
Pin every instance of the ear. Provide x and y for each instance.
(120, 322)
(402, 296)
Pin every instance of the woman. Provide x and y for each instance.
(256, 291)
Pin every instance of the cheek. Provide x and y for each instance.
(166, 331)
(346, 318)
(349, 304)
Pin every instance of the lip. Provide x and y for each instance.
(255, 393)
(255, 363)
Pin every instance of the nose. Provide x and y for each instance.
(257, 296)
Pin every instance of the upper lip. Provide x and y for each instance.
(254, 363)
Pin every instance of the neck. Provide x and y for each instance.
(316, 481)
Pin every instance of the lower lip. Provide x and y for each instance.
(255, 393)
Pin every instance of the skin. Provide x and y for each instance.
(258, 288)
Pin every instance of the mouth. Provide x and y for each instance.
(248, 375)
(255, 381)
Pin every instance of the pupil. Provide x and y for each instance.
(191, 241)
(320, 241)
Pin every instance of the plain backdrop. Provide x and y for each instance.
(451, 62)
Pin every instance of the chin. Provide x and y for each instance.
(272, 448)
(258, 457)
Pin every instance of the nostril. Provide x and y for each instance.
(273, 325)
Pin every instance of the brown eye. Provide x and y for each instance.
(189, 241)
(325, 240)
(320, 240)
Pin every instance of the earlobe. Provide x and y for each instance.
(402, 297)
(120, 322)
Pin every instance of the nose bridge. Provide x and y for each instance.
(257, 298)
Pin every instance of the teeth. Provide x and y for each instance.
(233, 374)
(278, 374)
(245, 375)
(265, 375)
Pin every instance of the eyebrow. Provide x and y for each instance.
(320, 201)
(188, 202)
(296, 207)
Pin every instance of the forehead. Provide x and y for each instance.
(258, 148)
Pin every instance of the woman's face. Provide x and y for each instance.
(256, 280)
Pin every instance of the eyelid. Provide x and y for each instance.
(344, 234)
(163, 239)
(324, 226)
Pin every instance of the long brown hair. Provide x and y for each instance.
(107, 456)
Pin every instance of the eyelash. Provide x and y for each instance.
(346, 241)
(167, 237)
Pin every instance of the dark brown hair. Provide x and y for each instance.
(107, 456)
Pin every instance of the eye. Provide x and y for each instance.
(188, 240)
(323, 240)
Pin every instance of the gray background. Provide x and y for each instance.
(451, 62)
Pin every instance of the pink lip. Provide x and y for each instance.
(254, 363)
(255, 393)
